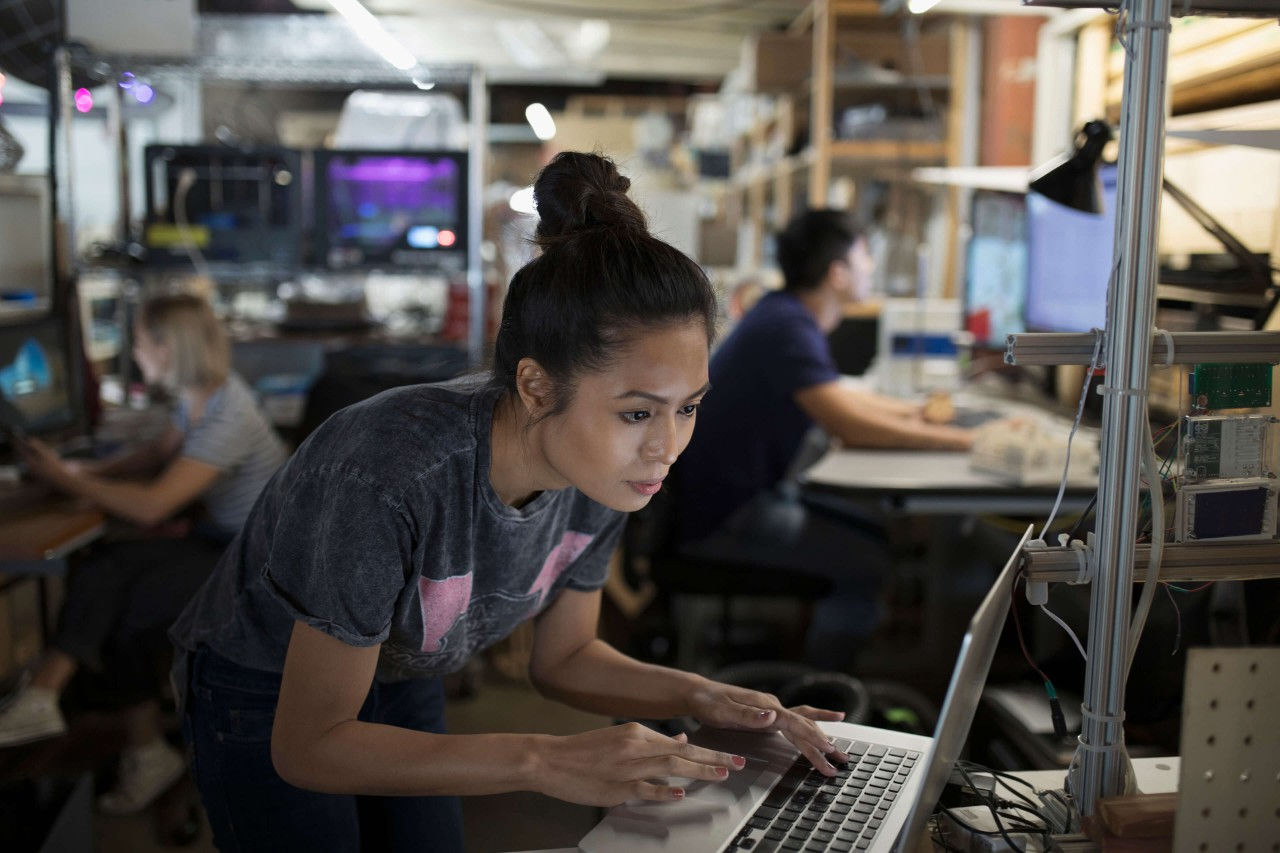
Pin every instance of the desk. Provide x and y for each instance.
(38, 531)
(927, 482)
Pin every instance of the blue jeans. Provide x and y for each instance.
(229, 714)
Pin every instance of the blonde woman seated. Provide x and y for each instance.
(218, 452)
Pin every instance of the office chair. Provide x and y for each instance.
(649, 550)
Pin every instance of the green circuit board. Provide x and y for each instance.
(1229, 386)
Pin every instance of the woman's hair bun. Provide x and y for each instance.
(577, 192)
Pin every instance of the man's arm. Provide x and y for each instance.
(861, 419)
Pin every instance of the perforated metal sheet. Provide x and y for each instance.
(1229, 788)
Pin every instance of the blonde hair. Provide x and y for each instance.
(199, 354)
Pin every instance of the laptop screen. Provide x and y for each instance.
(967, 679)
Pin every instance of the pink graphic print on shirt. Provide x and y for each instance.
(444, 601)
(569, 549)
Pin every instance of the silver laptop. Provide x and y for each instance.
(880, 801)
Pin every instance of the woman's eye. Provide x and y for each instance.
(689, 410)
(635, 417)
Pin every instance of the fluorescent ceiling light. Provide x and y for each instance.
(915, 7)
(371, 32)
(544, 126)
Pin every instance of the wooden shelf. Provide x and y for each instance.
(879, 151)
(1211, 61)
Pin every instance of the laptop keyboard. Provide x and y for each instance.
(806, 811)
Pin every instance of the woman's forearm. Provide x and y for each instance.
(601, 679)
(355, 757)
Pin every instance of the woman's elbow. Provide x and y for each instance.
(287, 759)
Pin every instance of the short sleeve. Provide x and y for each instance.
(216, 439)
(801, 358)
(591, 569)
(339, 556)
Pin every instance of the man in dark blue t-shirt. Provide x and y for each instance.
(772, 379)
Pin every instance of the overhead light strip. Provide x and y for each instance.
(372, 33)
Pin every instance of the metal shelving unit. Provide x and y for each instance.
(1103, 768)
(297, 51)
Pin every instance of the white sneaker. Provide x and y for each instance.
(146, 772)
(32, 715)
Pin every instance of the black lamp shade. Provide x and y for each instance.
(1072, 179)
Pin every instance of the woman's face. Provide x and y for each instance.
(151, 355)
(627, 424)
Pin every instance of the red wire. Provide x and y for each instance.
(1017, 623)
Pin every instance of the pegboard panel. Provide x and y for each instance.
(1229, 788)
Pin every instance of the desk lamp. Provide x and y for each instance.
(1072, 179)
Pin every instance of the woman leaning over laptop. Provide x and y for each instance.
(417, 528)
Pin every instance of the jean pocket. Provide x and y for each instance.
(244, 725)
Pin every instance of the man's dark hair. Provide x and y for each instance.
(811, 242)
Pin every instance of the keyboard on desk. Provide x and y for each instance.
(806, 811)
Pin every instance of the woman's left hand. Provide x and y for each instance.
(43, 462)
(728, 707)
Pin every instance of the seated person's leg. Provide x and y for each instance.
(781, 533)
(96, 593)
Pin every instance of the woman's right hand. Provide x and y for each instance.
(605, 767)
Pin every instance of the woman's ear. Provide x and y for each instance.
(535, 387)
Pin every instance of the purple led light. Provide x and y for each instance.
(126, 79)
(83, 100)
(144, 93)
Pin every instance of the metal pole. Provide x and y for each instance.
(1103, 768)
(64, 179)
(120, 137)
(477, 310)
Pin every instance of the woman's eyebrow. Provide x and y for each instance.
(660, 399)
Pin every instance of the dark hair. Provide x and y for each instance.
(601, 279)
(811, 242)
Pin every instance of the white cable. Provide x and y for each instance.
(1156, 492)
(1066, 465)
(1072, 634)
(186, 180)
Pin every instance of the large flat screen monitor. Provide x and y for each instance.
(39, 391)
(995, 271)
(391, 209)
(1070, 261)
(233, 205)
(26, 252)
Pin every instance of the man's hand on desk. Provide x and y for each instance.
(938, 408)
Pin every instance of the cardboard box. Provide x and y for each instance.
(717, 243)
(778, 63)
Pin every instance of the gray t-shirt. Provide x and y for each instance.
(384, 528)
(233, 436)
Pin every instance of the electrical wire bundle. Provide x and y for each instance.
(1020, 809)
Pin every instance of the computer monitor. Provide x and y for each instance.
(234, 205)
(1070, 261)
(26, 251)
(39, 387)
(391, 209)
(995, 270)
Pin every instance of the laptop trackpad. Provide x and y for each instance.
(709, 809)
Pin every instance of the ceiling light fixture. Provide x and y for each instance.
(544, 126)
(372, 33)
